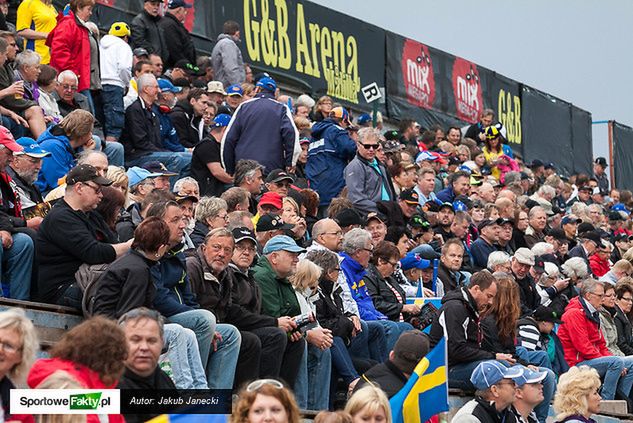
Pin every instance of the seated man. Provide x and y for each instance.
(398, 213)
(529, 394)
(94, 158)
(175, 300)
(164, 175)
(187, 117)
(486, 243)
(448, 271)
(73, 234)
(269, 226)
(584, 343)
(23, 170)
(16, 254)
(141, 135)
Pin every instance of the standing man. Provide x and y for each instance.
(178, 40)
(146, 31)
(187, 117)
(206, 163)
(226, 57)
(262, 118)
(599, 167)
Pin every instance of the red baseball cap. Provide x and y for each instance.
(272, 198)
(6, 139)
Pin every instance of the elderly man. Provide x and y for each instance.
(486, 243)
(23, 170)
(279, 298)
(499, 261)
(357, 250)
(178, 41)
(536, 231)
(366, 178)
(94, 158)
(73, 219)
(584, 343)
(522, 262)
(458, 184)
(147, 32)
(175, 300)
(264, 338)
(141, 136)
(249, 175)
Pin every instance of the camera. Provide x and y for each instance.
(305, 322)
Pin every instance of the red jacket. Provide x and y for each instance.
(599, 266)
(90, 379)
(70, 48)
(580, 334)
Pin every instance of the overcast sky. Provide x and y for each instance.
(577, 50)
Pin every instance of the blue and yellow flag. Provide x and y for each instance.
(426, 392)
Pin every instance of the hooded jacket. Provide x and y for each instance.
(330, 150)
(70, 49)
(226, 58)
(61, 160)
(580, 334)
(178, 41)
(459, 316)
(88, 378)
(115, 61)
(355, 274)
(173, 289)
(188, 126)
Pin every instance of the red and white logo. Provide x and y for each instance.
(417, 70)
(467, 88)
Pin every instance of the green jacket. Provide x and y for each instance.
(278, 295)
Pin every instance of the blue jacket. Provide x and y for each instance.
(354, 273)
(330, 150)
(61, 160)
(168, 133)
(447, 195)
(261, 129)
(480, 250)
(173, 289)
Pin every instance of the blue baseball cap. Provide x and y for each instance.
(620, 207)
(364, 118)
(136, 175)
(165, 85)
(414, 261)
(267, 83)
(528, 376)
(234, 89)
(282, 242)
(488, 373)
(174, 4)
(221, 120)
(31, 148)
(459, 206)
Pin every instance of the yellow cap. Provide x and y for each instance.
(119, 29)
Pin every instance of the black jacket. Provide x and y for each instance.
(126, 285)
(11, 214)
(484, 412)
(393, 212)
(461, 317)
(177, 41)
(494, 343)
(215, 294)
(141, 134)
(625, 334)
(66, 239)
(382, 296)
(330, 312)
(157, 380)
(186, 123)
(530, 298)
(386, 375)
(147, 33)
(200, 230)
(451, 280)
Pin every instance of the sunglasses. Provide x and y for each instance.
(370, 146)
(255, 385)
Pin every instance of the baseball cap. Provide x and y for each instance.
(413, 261)
(601, 161)
(165, 85)
(348, 217)
(570, 219)
(157, 167)
(621, 237)
(459, 206)
(221, 120)
(409, 349)
(215, 87)
(6, 139)
(340, 113)
(550, 165)
(119, 29)
(592, 236)
(282, 242)
(539, 264)
(488, 222)
(136, 175)
(374, 216)
(558, 234)
(620, 207)
(278, 175)
(546, 314)
(240, 234)
(447, 205)
(140, 51)
(363, 119)
(267, 83)
(272, 222)
(491, 372)
(536, 163)
(174, 4)
(31, 148)
(234, 89)
(586, 188)
(392, 146)
(271, 198)
(189, 68)
(410, 197)
(524, 256)
(528, 376)
(419, 221)
(86, 173)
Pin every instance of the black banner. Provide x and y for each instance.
(623, 156)
(505, 100)
(581, 140)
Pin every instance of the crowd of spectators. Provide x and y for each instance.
(236, 233)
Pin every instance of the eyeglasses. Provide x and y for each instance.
(9, 347)
(243, 248)
(97, 189)
(218, 247)
(225, 217)
(255, 385)
(67, 87)
(627, 299)
(370, 146)
(371, 250)
(338, 233)
(597, 295)
(392, 263)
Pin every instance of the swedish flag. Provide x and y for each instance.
(426, 392)
(190, 418)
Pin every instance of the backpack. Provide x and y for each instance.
(87, 277)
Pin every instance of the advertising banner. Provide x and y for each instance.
(623, 156)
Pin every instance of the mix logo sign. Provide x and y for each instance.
(65, 401)
(468, 91)
(417, 69)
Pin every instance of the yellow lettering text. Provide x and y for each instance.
(251, 30)
(282, 31)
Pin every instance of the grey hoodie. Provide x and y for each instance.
(226, 58)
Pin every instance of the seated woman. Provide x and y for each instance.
(577, 396)
(211, 213)
(265, 397)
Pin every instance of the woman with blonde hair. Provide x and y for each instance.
(265, 399)
(19, 345)
(120, 181)
(577, 396)
(369, 403)
(211, 213)
(322, 109)
(291, 214)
